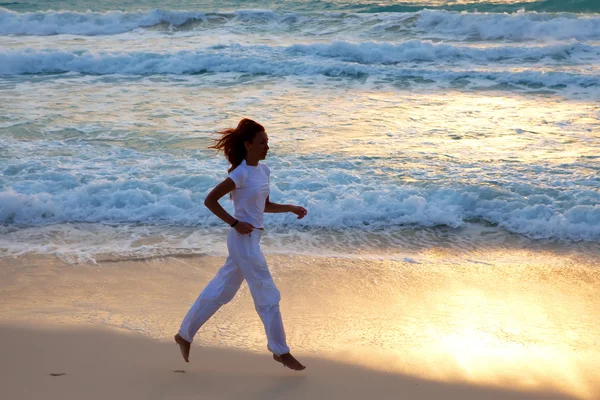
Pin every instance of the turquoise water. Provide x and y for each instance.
(397, 124)
(572, 6)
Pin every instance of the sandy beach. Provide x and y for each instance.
(440, 328)
(99, 363)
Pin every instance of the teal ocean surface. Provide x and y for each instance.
(397, 124)
(499, 6)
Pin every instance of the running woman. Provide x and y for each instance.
(248, 185)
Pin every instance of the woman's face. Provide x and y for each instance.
(257, 150)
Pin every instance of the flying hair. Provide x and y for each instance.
(232, 141)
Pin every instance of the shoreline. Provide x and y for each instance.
(80, 243)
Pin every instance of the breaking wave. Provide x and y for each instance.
(473, 26)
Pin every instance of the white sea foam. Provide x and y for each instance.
(428, 23)
(421, 50)
(88, 23)
(517, 26)
(185, 62)
(337, 199)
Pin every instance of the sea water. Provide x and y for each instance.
(398, 125)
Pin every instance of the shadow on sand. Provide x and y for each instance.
(98, 363)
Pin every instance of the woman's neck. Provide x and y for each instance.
(252, 163)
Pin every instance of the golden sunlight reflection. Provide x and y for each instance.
(465, 126)
(528, 325)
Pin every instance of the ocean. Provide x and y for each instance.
(398, 125)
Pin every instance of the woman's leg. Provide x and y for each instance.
(246, 253)
(220, 290)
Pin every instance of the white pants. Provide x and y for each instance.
(245, 261)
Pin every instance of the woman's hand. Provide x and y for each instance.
(243, 228)
(299, 211)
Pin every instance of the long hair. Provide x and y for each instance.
(232, 141)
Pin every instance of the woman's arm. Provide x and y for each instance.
(212, 203)
(271, 207)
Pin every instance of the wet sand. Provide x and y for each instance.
(514, 324)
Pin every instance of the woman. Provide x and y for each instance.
(248, 183)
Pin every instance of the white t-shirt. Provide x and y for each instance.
(250, 193)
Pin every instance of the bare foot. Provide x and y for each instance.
(184, 346)
(289, 361)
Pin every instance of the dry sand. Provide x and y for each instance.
(474, 326)
(102, 364)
